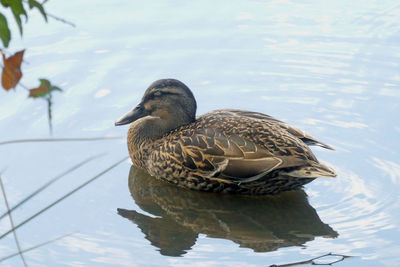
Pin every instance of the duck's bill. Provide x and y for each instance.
(137, 113)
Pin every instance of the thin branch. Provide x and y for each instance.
(57, 18)
(51, 182)
(12, 223)
(59, 139)
(49, 104)
(35, 247)
(23, 86)
(65, 196)
(60, 19)
(312, 261)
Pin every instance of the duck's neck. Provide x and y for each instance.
(145, 131)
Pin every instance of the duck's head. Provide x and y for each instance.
(167, 104)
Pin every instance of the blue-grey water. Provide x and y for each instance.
(330, 68)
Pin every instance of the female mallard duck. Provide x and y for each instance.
(228, 151)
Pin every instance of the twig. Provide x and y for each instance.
(12, 223)
(49, 104)
(312, 261)
(23, 86)
(60, 19)
(34, 247)
(51, 182)
(65, 196)
(58, 139)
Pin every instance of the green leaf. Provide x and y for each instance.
(5, 33)
(17, 9)
(55, 88)
(4, 3)
(34, 3)
(45, 88)
(45, 82)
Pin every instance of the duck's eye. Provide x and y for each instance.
(158, 93)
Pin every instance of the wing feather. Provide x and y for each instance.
(302, 135)
(237, 147)
(232, 158)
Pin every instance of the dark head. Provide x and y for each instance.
(167, 104)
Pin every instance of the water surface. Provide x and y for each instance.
(330, 68)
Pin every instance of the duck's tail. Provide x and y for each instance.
(312, 171)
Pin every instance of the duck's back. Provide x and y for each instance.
(235, 151)
(259, 129)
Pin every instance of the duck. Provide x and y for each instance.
(223, 151)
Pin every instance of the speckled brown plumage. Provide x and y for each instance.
(227, 151)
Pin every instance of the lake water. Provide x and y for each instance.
(330, 68)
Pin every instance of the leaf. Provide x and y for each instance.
(17, 9)
(42, 90)
(11, 73)
(34, 3)
(5, 33)
(45, 88)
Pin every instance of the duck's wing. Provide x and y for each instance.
(233, 158)
(302, 135)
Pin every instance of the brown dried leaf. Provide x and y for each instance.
(11, 73)
(42, 90)
(45, 88)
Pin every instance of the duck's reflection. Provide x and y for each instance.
(260, 223)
